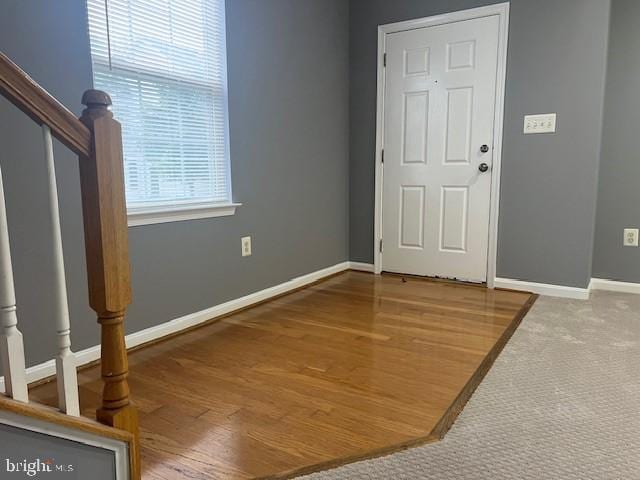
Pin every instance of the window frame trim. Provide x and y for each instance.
(165, 213)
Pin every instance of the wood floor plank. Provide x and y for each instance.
(352, 367)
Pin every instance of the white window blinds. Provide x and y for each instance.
(164, 64)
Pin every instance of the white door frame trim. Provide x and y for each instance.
(502, 10)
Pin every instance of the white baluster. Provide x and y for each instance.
(11, 345)
(67, 376)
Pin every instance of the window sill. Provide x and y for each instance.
(167, 214)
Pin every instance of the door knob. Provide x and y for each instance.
(484, 148)
(483, 167)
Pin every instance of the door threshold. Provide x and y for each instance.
(425, 278)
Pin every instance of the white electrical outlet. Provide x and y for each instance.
(630, 237)
(246, 246)
(545, 123)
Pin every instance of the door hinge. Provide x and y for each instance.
(384, 60)
(380, 245)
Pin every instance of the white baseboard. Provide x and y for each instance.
(543, 288)
(569, 292)
(614, 286)
(193, 319)
(361, 267)
(47, 369)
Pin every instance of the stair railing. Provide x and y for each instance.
(96, 139)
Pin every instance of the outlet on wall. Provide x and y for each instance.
(630, 237)
(246, 246)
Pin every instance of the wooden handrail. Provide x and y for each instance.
(21, 90)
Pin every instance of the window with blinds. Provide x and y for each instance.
(164, 64)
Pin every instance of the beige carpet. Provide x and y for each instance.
(561, 402)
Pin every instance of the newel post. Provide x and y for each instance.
(106, 243)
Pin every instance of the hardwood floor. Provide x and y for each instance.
(349, 368)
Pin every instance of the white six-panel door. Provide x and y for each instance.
(439, 101)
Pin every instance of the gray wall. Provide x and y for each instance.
(556, 63)
(619, 189)
(288, 96)
(78, 460)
